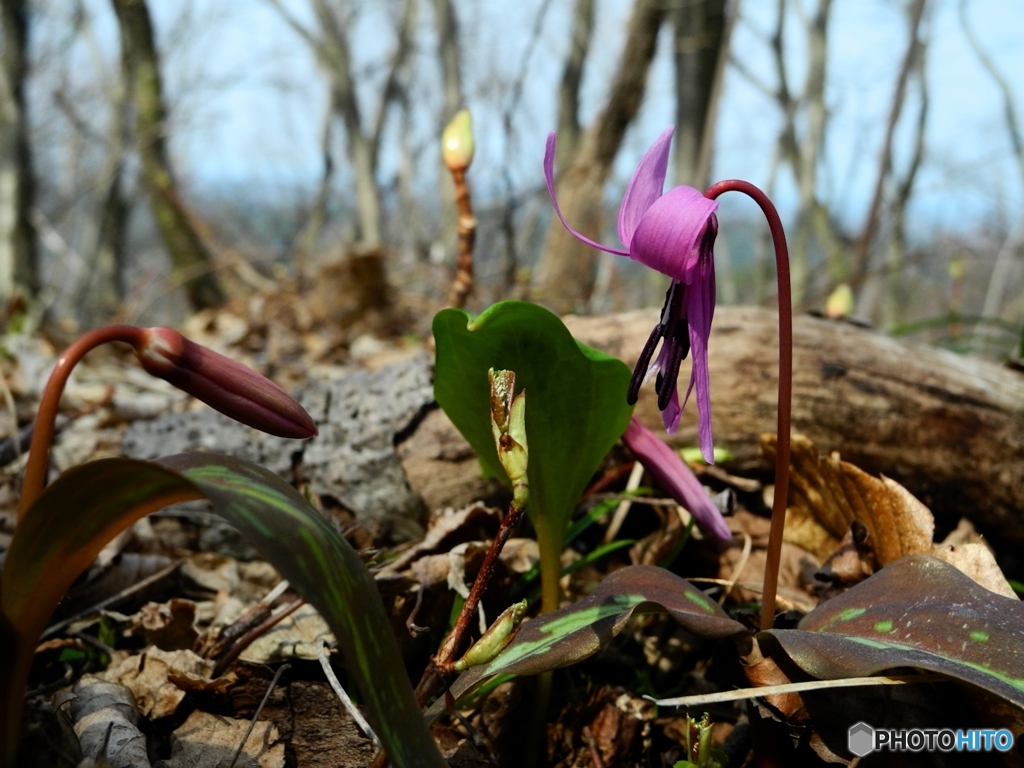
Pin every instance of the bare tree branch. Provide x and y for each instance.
(1009, 105)
(700, 40)
(447, 26)
(393, 91)
(19, 265)
(512, 201)
(916, 12)
(569, 129)
(141, 72)
(565, 274)
(331, 46)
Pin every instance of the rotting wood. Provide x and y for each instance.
(948, 428)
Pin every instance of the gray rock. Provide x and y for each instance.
(360, 416)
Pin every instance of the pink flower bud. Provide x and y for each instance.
(224, 384)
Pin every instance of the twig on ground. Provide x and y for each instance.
(261, 629)
(410, 623)
(811, 685)
(735, 575)
(635, 475)
(248, 619)
(346, 702)
(256, 715)
(124, 594)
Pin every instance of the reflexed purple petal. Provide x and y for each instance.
(700, 310)
(668, 235)
(674, 477)
(549, 175)
(670, 416)
(645, 187)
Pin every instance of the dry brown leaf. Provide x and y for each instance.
(106, 722)
(169, 626)
(209, 741)
(827, 495)
(976, 560)
(297, 636)
(212, 571)
(446, 524)
(147, 677)
(830, 494)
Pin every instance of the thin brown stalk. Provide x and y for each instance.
(253, 634)
(441, 665)
(463, 282)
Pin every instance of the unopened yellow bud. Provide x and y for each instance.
(840, 302)
(457, 142)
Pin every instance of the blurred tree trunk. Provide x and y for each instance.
(330, 44)
(565, 273)
(19, 265)
(141, 72)
(103, 291)
(801, 140)
(871, 225)
(700, 42)
(883, 296)
(1000, 281)
(803, 156)
(449, 54)
(569, 128)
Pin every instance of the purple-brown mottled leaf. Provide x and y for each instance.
(918, 612)
(58, 538)
(276, 520)
(90, 504)
(577, 631)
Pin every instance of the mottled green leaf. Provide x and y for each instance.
(576, 402)
(56, 541)
(918, 612)
(293, 536)
(573, 633)
(90, 504)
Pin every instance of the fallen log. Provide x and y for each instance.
(950, 428)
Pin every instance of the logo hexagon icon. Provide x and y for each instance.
(860, 739)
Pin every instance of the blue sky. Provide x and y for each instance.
(249, 101)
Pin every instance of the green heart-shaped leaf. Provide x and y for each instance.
(577, 631)
(575, 403)
(917, 612)
(90, 504)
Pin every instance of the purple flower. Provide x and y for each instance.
(675, 477)
(673, 233)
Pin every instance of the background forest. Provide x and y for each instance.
(160, 157)
(267, 176)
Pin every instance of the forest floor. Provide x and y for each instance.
(173, 595)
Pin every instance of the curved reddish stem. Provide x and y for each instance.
(42, 433)
(771, 573)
